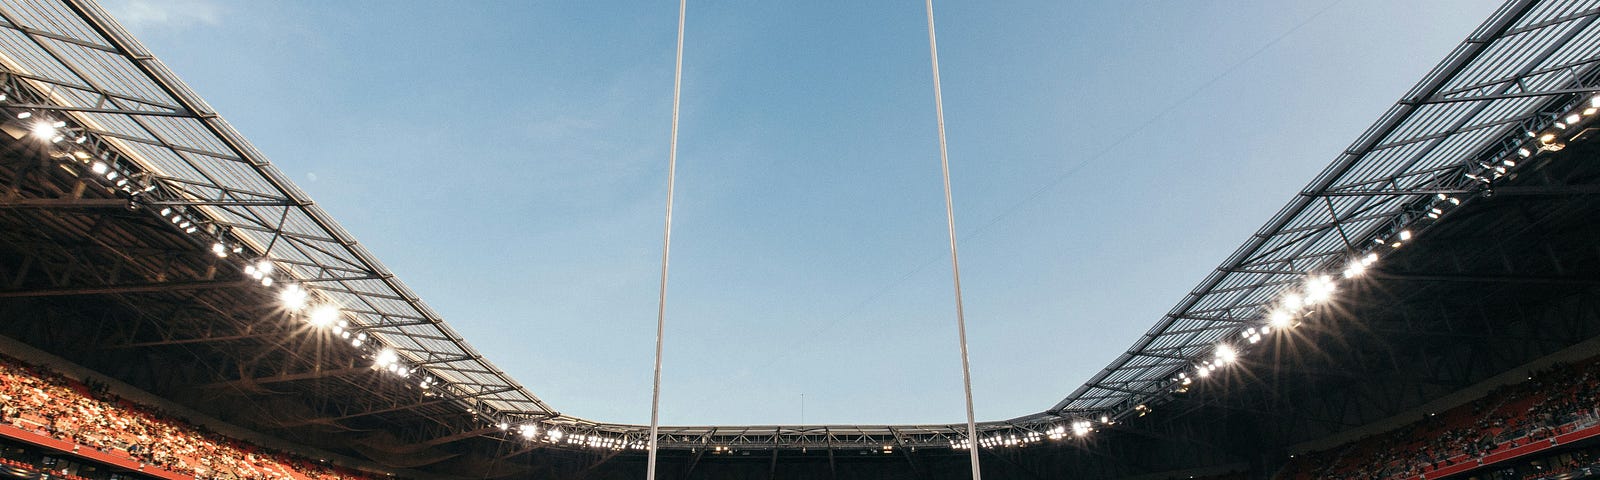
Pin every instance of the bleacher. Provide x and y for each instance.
(1553, 408)
(47, 410)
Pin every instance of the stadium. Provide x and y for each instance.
(175, 307)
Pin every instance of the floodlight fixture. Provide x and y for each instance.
(1226, 354)
(1319, 289)
(1280, 319)
(43, 130)
(294, 298)
(386, 358)
(1081, 428)
(323, 316)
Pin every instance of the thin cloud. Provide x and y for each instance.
(166, 13)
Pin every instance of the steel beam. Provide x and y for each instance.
(123, 289)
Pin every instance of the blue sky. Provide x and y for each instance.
(507, 160)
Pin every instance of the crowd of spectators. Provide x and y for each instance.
(1579, 464)
(1553, 402)
(85, 414)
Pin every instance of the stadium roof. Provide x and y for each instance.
(97, 73)
(1532, 60)
(1476, 105)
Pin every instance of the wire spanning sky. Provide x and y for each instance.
(507, 160)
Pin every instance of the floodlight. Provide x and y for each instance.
(1356, 268)
(1226, 354)
(323, 316)
(1293, 301)
(1280, 319)
(1081, 428)
(1319, 289)
(43, 130)
(293, 297)
(386, 358)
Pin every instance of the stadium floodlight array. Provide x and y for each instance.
(92, 159)
(1076, 428)
(1297, 305)
(535, 432)
(118, 174)
(102, 166)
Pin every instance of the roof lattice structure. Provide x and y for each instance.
(1506, 79)
(1531, 60)
(96, 72)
